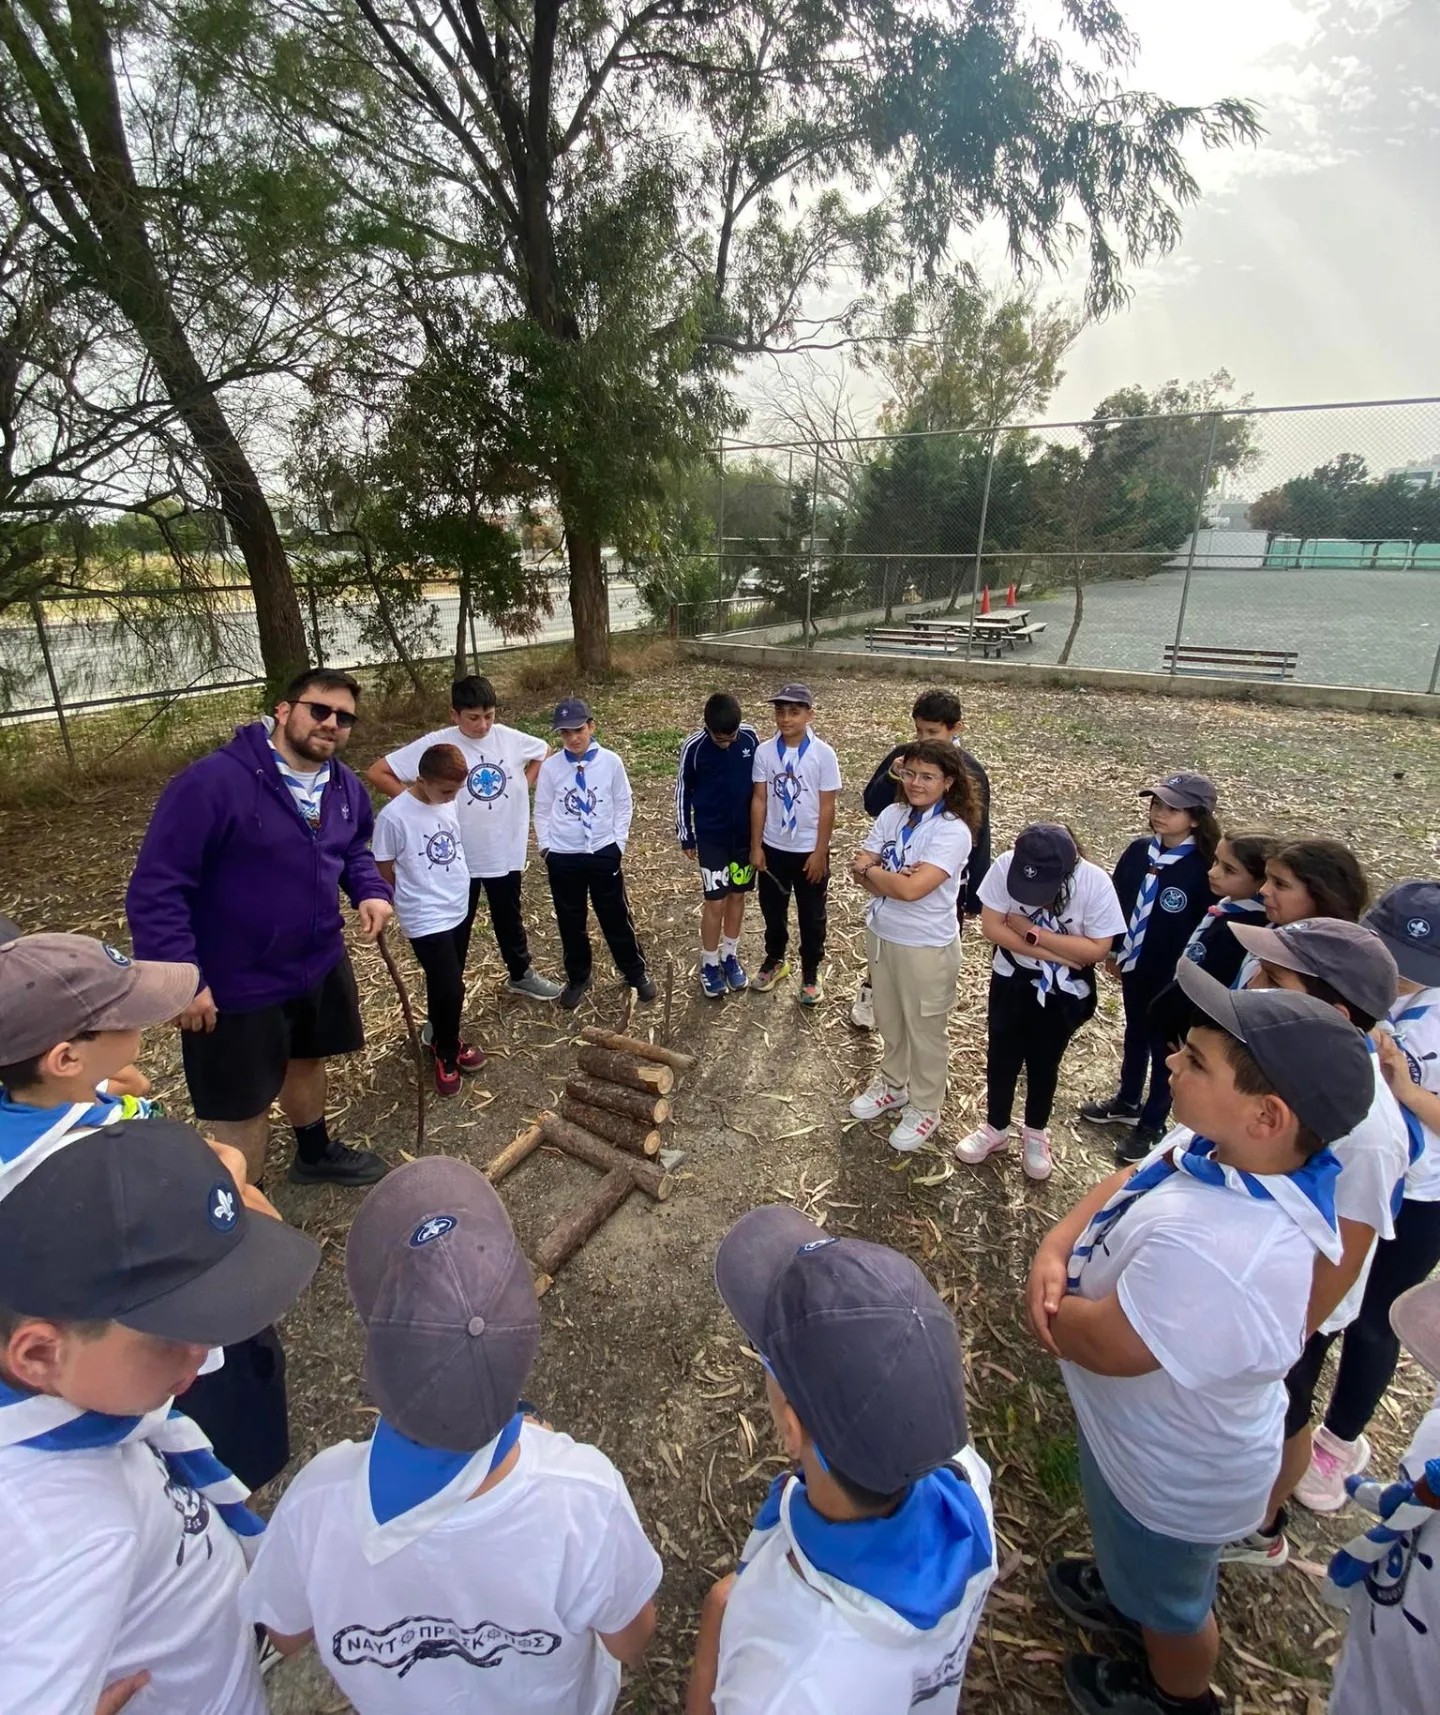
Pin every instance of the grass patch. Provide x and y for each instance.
(652, 754)
(1057, 1470)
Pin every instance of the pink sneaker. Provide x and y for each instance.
(1035, 1153)
(1332, 1460)
(984, 1141)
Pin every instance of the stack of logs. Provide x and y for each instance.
(610, 1118)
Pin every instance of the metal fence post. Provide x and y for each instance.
(1194, 538)
(40, 632)
(810, 569)
(1434, 675)
(980, 543)
(720, 539)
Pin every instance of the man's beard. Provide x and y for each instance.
(313, 748)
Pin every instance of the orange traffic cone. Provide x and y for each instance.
(1010, 595)
(985, 599)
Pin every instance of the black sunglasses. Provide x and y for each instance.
(322, 712)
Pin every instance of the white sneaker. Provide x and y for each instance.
(1036, 1159)
(862, 1014)
(916, 1125)
(1332, 1460)
(984, 1141)
(877, 1100)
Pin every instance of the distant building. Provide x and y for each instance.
(1229, 514)
(1420, 473)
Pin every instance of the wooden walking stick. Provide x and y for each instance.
(413, 1030)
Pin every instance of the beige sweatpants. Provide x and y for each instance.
(914, 990)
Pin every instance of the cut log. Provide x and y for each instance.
(616, 1099)
(572, 1230)
(594, 1150)
(625, 1069)
(513, 1154)
(633, 1135)
(670, 1057)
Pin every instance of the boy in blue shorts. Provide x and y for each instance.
(1176, 1299)
(712, 819)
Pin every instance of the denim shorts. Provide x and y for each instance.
(1158, 1581)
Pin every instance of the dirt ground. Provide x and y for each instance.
(638, 1354)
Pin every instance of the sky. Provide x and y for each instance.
(1310, 266)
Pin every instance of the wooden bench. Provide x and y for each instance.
(1028, 632)
(1223, 663)
(948, 642)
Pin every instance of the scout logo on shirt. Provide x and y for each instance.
(441, 849)
(578, 803)
(950, 1672)
(194, 1511)
(787, 787)
(486, 782)
(424, 1637)
(1172, 899)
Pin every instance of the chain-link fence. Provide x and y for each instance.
(1275, 543)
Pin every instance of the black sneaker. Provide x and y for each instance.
(340, 1165)
(572, 994)
(1077, 1590)
(645, 990)
(1099, 1685)
(1137, 1146)
(1111, 1112)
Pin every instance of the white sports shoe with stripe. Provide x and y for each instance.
(878, 1099)
(916, 1125)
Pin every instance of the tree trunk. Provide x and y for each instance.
(589, 602)
(387, 620)
(460, 663)
(1078, 576)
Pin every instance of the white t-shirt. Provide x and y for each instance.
(942, 840)
(424, 842)
(1373, 1159)
(107, 1567)
(793, 1642)
(1389, 1662)
(1420, 1038)
(1092, 909)
(805, 773)
(570, 820)
(495, 1608)
(494, 807)
(1217, 1285)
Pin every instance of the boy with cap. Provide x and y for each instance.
(861, 1586)
(795, 782)
(1407, 920)
(1176, 1297)
(466, 1556)
(1389, 1578)
(712, 817)
(124, 1257)
(1347, 966)
(583, 808)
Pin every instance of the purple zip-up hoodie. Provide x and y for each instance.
(231, 877)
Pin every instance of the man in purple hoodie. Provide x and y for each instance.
(240, 873)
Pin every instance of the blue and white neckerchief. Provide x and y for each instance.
(583, 795)
(51, 1425)
(893, 857)
(406, 1489)
(30, 1135)
(305, 794)
(1159, 857)
(787, 778)
(1307, 1196)
(1383, 1551)
(1414, 1128)
(1225, 908)
(1047, 979)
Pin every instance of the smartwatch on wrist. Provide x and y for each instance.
(1032, 937)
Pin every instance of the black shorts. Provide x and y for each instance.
(235, 1071)
(724, 869)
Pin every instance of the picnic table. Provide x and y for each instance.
(1005, 627)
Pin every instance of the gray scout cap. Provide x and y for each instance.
(857, 1340)
(54, 987)
(1351, 958)
(1407, 919)
(1317, 1062)
(451, 1318)
(793, 693)
(139, 1223)
(1044, 855)
(1184, 792)
(1415, 1317)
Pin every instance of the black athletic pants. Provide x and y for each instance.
(502, 895)
(241, 1407)
(1370, 1350)
(1023, 1035)
(581, 879)
(1145, 1050)
(442, 958)
(784, 874)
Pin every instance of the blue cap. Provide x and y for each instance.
(857, 1340)
(1043, 858)
(573, 712)
(1407, 920)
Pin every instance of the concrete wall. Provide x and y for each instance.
(795, 663)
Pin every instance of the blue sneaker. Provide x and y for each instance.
(712, 981)
(735, 973)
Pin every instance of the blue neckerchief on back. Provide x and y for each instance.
(918, 1561)
(408, 1488)
(1307, 1196)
